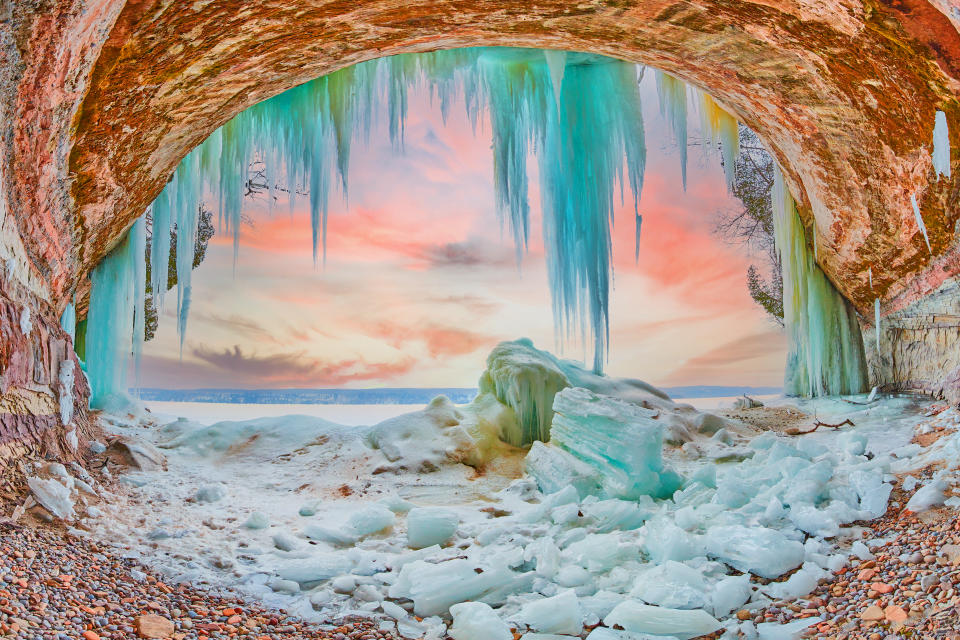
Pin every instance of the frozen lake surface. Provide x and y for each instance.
(207, 413)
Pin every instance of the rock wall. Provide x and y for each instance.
(34, 352)
(100, 99)
(920, 346)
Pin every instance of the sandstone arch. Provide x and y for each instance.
(101, 98)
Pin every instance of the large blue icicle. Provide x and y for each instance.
(110, 321)
(825, 352)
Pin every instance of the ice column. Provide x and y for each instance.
(825, 355)
(110, 321)
(941, 145)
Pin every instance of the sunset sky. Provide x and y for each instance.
(420, 283)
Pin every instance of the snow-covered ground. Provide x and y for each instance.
(207, 413)
(640, 513)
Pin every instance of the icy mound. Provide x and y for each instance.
(262, 438)
(526, 379)
(442, 432)
(602, 446)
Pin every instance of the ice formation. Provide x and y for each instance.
(941, 145)
(527, 379)
(919, 219)
(579, 114)
(68, 320)
(109, 335)
(825, 354)
(876, 322)
(672, 94)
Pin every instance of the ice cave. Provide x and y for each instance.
(560, 496)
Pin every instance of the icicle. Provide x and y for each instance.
(721, 126)
(870, 276)
(109, 326)
(557, 62)
(138, 241)
(876, 322)
(303, 137)
(941, 145)
(673, 104)
(68, 321)
(636, 249)
(825, 355)
(919, 219)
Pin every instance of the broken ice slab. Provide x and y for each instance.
(52, 496)
(620, 441)
(559, 614)
(477, 621)
(370, 519)
(427, 526)
(679, 623)
(789, 631)
(758, 550)
(730, 594)
(555, 469)
(434, 588)
(606, 633)
(311, 571)
(671, 584)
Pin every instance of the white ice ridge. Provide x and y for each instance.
(941, 145)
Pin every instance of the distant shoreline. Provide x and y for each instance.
(400, 395)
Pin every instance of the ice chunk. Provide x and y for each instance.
(309, 572)
(545, 554)
(209, 493)
(929, 495)
(257, 520)
(666, 541)
(788, 631)
(799, 584)
(620, 440)
(919, 219)
(526, 380)
(477, 621)
(559, 614)
(672, 585)
(553, 468)
(680, 623)
(600, 552)
(435, 587)
(608, 515)
(427, 526)
(871, 490)
(759, 550)
(52, 496)
(285, 542)
(731, 593)
(606, 633)
(371, 519)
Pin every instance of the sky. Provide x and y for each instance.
(421, 280)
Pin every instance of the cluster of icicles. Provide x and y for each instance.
(579, 114)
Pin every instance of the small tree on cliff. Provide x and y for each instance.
(205, 231)
(752, 223)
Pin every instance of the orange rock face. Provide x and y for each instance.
(100, 99)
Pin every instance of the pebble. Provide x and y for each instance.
(54, 586)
